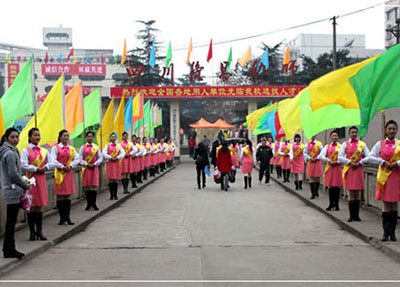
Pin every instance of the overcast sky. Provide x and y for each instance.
(104, 25)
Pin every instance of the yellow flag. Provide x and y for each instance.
(107, 126)
(123, 59)
(74, 60)
(245, 58)
(189, 52)
(290, 116)
(335, 88)
(73, 108)
(119, 121)
(49, 117)
(254, 121)
(286, 58)
(2, 129)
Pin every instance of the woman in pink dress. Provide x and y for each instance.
(113, 153)
(248, 158)
(163, 149)
(147, 159)
(353, 155)
(270, 143)
(234, 155)
(126, 162)
(284, 152)
(91, 158)
(314, 166)
(386, 154)
(333, 170)
(277, 159)
(66, 159)
(170, 153)
(297, 161)
(141, 157)
(136, 159)
(35, 161)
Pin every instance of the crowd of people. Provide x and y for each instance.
(344, 168)
(134, 161)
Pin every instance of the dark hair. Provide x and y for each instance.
(391, 122)
(30, 133)
(225, 146)
(250, 144)
(201, 146)
(335, 131)
(7, 135)
(124, 133)
(132, 136)
(297, 136)
(112, 134)
(144, 138)
(353, 128)
(88, 133)
(60, 134)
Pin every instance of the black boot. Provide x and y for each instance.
(115, 190)
(296, 183)
(139, 177)
(300, 184)
(351, 211)
(68, 212)
(88, 199)
(249, 181)
(393, 223)
(125, 184)
(245, 182)
(312, 188)
(134, 177)
(39, 223)
(386, 225)
(145, 171)
(336, 198)
(287, 175)
(61, 211)
(331, 199)
(317, 189)
(357, 210)
(31, 223)
(110, 186)
(272, 169)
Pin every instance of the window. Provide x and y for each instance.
(389, 15)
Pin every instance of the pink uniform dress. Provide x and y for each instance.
(285, 160)
(162, 153)
(247, 161)
(126, 162)
(333, 177)
(314, 169)
(170, 152)
(143, 157)
(298, 160)
(271, 145)
(136, 160)
(38, 191)
(67, 186)
(234, 155)
(90, 175)
(277, 157)
(391, 190)
(354, 178)
(147, 159)
(154, 156)
(113, 168)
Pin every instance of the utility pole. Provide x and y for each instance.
(334, 60)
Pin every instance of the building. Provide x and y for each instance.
(391, 15)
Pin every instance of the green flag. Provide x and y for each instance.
(160, 117)
(169, 55)
(115, 59)
(229, 59)
(146, 118)
(151, 120)
(18, 100)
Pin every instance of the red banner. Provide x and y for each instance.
(207, 91)
(74, 69)
(13, 70)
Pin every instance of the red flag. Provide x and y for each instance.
(71, 52)
(46, 59)
(209, 56)
(102, 58)
(279, 131)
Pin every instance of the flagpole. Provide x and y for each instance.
(63, 97)
(83, 111)
(101, 123)
(33, 88)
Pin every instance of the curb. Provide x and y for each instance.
(14, 263)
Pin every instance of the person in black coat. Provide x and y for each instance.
(264, 155)
(213, 154)
(201, 157)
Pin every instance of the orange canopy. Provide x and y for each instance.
(223, 125)
(202, 124)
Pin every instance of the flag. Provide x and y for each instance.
(102, 58)
(7, 60)
(71, 52)
(128, 114)
(146, 118)
(74, 110)
(269, 123)
(155, 115)
(279, 131)
(115, 59)
(286, 58)
(123, 59)
(137, 106)
(46, 58)
(245, 58)
(264, 60)
(88, 58)
(107, 126)
(18, 100)
(91, 108)
(189, 52)
(377, 87)
(151, 121)
(229, 59)
(160, 122)
(49, 118)
(59, 59)
(290, 116)
(152, 59)
(74, 59)
(119, 119)
(169, 56)
(2, 129)
(209, 55)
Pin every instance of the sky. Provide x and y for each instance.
(104, 25)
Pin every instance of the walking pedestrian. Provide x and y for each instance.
(35, 161)
(66, 159)
(277, 159)
(248, 159)
(201, 157)
(284, 152)
(314, 166)
(297, 161)
(213, 154)
(333, 170)
(263, 156)
(270, 143)
(386, 154)
(353, 155)
(13, 187)
(224, 165)
(91, 158)
(113, 153)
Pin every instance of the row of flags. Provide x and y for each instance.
(349, 96)
(71, 111)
